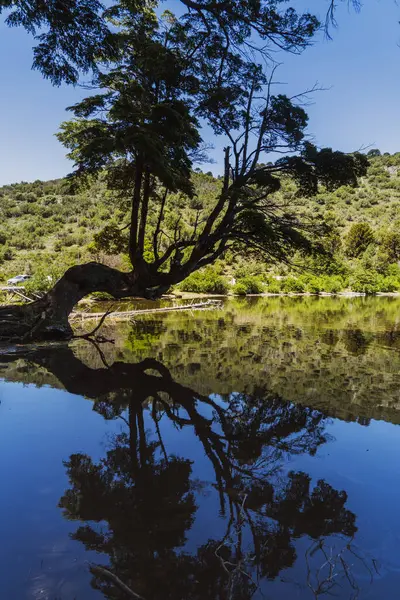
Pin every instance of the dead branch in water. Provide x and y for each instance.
(116, 580)
(130, 313)
(87, 336)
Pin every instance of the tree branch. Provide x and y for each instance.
(158, 226)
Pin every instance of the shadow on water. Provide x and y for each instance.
(218, 466)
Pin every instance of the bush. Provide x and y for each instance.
(359, 237)
(42, 280)
(101, 296)
(249, 285)
(5, 254)
(244, 268)
(332, 285)
(393, 270)
(205, 282)
(240, 289)
(293, 285)
(390, 245)
(364, 282)
(314, 285)
(388, 284)
(274, 287)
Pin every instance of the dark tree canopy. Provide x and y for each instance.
(70, 35)
(73, 36)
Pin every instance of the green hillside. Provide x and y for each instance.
(45, 228)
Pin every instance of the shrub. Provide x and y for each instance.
(245, 268)
(249, 285)
(5, 254)
(390, 245)
(274, 286)
(364, 282)
(388, 284)
(393, 270)
(332, 285)
(359, 237)
(314, 285)
(373, 152)
(293, 285)
(110, 240)
(43, 279)
(101, 296)
(240, 289)
(207, 281)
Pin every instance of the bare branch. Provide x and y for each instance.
(116, 580)
(158, 226)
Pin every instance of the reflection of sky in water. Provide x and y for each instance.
(39, 428)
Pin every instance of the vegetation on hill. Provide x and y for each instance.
(46, 228)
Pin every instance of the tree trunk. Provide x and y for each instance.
(47, 318)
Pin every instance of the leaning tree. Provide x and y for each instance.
(142, 131)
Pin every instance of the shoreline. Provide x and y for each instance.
(194, 295)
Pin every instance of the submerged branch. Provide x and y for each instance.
(129, 313)
(116, 580)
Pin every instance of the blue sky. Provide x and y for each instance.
(361, 107)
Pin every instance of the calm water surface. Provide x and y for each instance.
(248, 452)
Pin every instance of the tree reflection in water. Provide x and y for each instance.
(138, 504)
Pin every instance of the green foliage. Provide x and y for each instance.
(388, 284)
(365, 282)
(6, 254)
(293, 285)
(70, 38)
(63, 237)
(110, 240)
(244, 266)
(373, 153)
(333, 284)
(274, 287)
(249, 285)
(314, 285)
(43, 279)
(206, 281)
(358, 239)
(390, 245)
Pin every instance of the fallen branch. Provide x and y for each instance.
(86, 336)
(130, 313)
(21, 295)
(116, 580)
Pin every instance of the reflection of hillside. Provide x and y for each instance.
(24, 370)
(341, 356)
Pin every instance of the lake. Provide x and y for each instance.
(245, 452)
